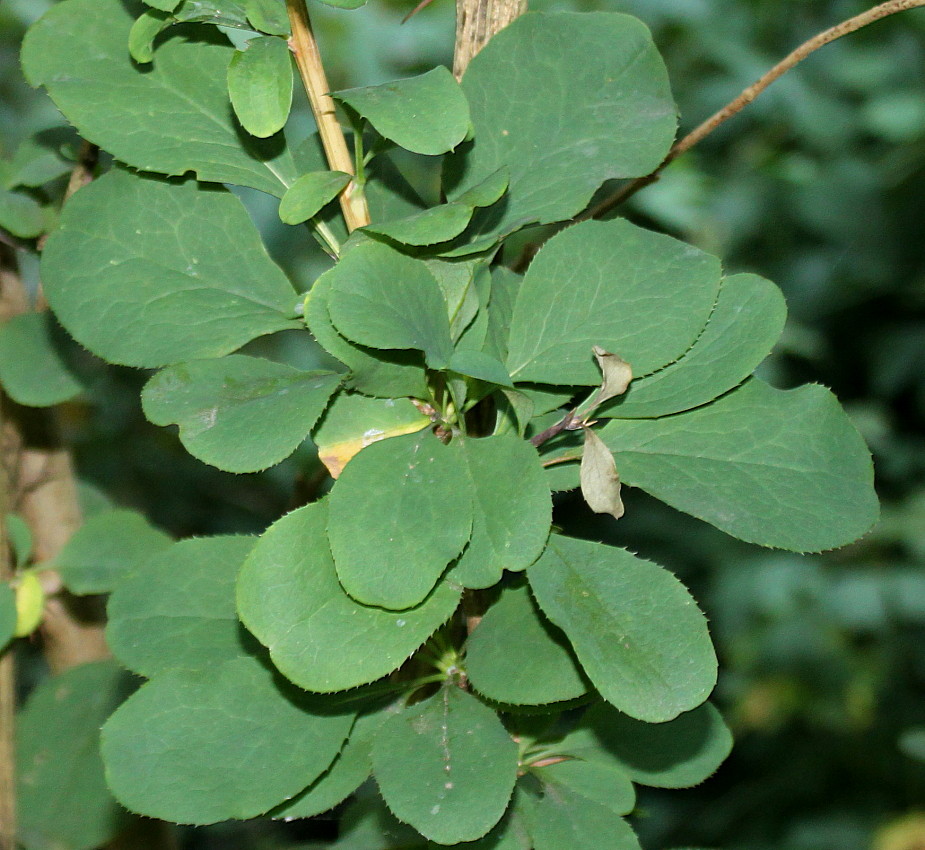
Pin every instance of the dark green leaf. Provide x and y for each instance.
(637, 632)
(239, 413)
(8, 614)
(172, 118)
(177, 611)
(614, 285)
(427, 114)
(21, 215)
(390, 497)
(516, 656)
(260, 85)
(446, 766)
(33, 371)
(320, 638)
(231, 741)
(35, 163)
(105, 549)
(63, 801)
(179, 272)
(773, 467)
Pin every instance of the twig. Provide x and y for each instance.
(748, 95)
(566, 423)
(308, 60)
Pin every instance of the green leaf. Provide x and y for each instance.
(219, 13)
(637, 632)
(177, 611)
(595, 781)
(173, 118)
(33, 370)
(149, 25)
(320, 638)
(564, 817)
(746, 322)
(614, 285)
(163, 5)
(510, 524)
(446, 766)
(305, 198)
(564, 121)
(774, 467)
(354, 421)
(21, 215)
(231, 741)
(384, 299)
(677, 754)
(268, 16)
(62, 798)
(427, 114)
(350, 769)
(516, 656)
(239, 413)
(466, 286)
(19, 539)
(260, 85)
(344, 4)
(388, 374)
(106, 548)
(35, 163)
(398, 493)
(484, 367)
(179, 272)
(8, 615)
(504, 287)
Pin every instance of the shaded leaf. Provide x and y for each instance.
(231, 741)
(33, 371)
(597, 782)
(173, 118)
(477, 364)
(320, 638)
(179, 272)
(21, 215)
(177, 611)
(634, 627)
(427, 114)
(306, 197)
(7, 614)
(614, 285)
(516, 656)
(600, 482)
(62, 798)
(773, 467)
(239, 413)
(105, 549)
(394, 491)
(260, 85)
(446, 766)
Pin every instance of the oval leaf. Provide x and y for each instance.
(637, 632)
(306, 197)
(289, 597)
(260, 85)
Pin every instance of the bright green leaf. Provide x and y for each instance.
(268, 16)
(637, 632)
(516, 656)
(778, 468)
(564, 120)
(306, 197)
(177, 611)
(179, 272)
(239, 413)
(107, 547)
(746, 322)
(427, 114)
(510, 523)
(614, 285)
(320, 638)
(174, 117)
(149, 25)
(62, 797)
(260, 83)
(380, 298)
(33, 370)
(231, 741)
(390, 497)
(446, 766)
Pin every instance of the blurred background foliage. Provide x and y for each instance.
(818, 186)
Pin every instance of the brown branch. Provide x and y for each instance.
(308, 60)
(748, 95)
(476, 22)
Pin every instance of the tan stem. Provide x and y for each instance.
(748, 95)
(476, 22)
(308, 60)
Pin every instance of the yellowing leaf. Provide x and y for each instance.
(30, 601)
